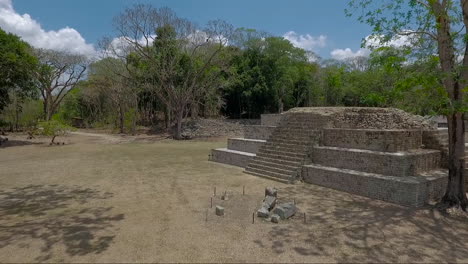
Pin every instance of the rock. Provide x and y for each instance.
(271, 191)
(263, 212)
(285, 210)
(275, 218)
(219, 210)
(269, 202)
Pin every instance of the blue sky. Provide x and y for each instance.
(320, 26)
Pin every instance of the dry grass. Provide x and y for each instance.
(94, 200)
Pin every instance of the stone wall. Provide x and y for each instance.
(271, 119)
(371, 139)
(258, 132)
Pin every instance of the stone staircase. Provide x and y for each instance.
(286, 150)
(240, 151)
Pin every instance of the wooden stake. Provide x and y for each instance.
(253, 218)
(305, 218)
(206, 217)
(243, 190)
(211, 204)
(214, 191)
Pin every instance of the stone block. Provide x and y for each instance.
(269, 202)
(245, 145)
(275, 218)
(231, 157)
(263, 212)
(219, 210)
(285, 210)
(271, 191)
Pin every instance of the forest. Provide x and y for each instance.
(160, 69)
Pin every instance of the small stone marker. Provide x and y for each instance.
(285, 210)
(219, 210)
(275, 218)
(269, 202)
(263, 212)
(225, 196)
(271, 191)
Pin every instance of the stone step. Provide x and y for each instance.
(387, 163)
(293, 138)
(285, 148)
(284, 170)
(275, 164)
(287, 144)
(280, 157)
(245, 145)
(282, 153)
(231, 157)
(412, 191)
(280, 176)
(280, 162)
(266, 176)
(291, 142)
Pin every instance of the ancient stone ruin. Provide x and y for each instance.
(381, 153)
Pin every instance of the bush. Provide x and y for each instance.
(54, 128)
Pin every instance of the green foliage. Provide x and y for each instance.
(17, 66)
(21, 113)
(54, 128)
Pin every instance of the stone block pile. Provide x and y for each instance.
(272, 211)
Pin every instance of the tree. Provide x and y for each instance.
(17, 65)
(429, 24)
(57, 74)
(111, 78)
(53, 129)
(172, 56)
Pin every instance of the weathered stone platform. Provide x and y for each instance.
(380, 153)
(240, 151)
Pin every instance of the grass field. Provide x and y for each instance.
(98, 199)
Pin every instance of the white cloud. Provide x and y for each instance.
(342, 54)
(65, 39)
(372, 41)
(307, 41)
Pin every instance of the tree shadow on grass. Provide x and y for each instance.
(56, 216)
(350, 228)
(18, 143)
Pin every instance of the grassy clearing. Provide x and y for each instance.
(92, 201)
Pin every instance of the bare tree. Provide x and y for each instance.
(177, 57)
(58, 74)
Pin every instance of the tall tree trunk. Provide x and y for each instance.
(280, 106)
(178, 128)
(455, 194)
(167, 117)
(121, 119)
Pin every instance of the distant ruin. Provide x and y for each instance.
(381, 153)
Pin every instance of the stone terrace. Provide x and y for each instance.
(381, 153)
